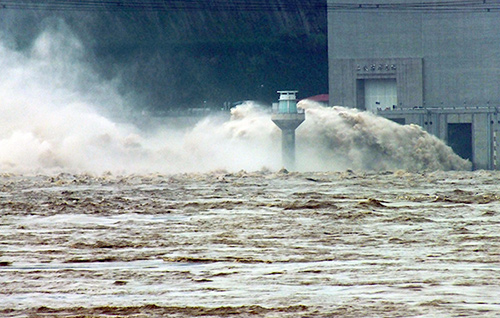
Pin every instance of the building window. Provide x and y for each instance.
(460, 139)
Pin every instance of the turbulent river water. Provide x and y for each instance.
(86, 229)
(261, 244)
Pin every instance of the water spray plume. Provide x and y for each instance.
(53, 120)
(346, 138)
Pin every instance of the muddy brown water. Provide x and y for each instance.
(343, 244)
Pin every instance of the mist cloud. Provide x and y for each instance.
(344, 138)
(56, 117)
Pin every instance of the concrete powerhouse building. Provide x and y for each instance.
(431, 63)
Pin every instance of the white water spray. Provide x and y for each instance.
(343, 138)
(52, 121)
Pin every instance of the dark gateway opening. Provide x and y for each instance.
(460, 139)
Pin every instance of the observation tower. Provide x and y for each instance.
(287, 117)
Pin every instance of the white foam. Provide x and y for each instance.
(52, 120)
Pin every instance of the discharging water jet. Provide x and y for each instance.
(52, 123)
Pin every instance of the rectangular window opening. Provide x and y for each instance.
(460, 139)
